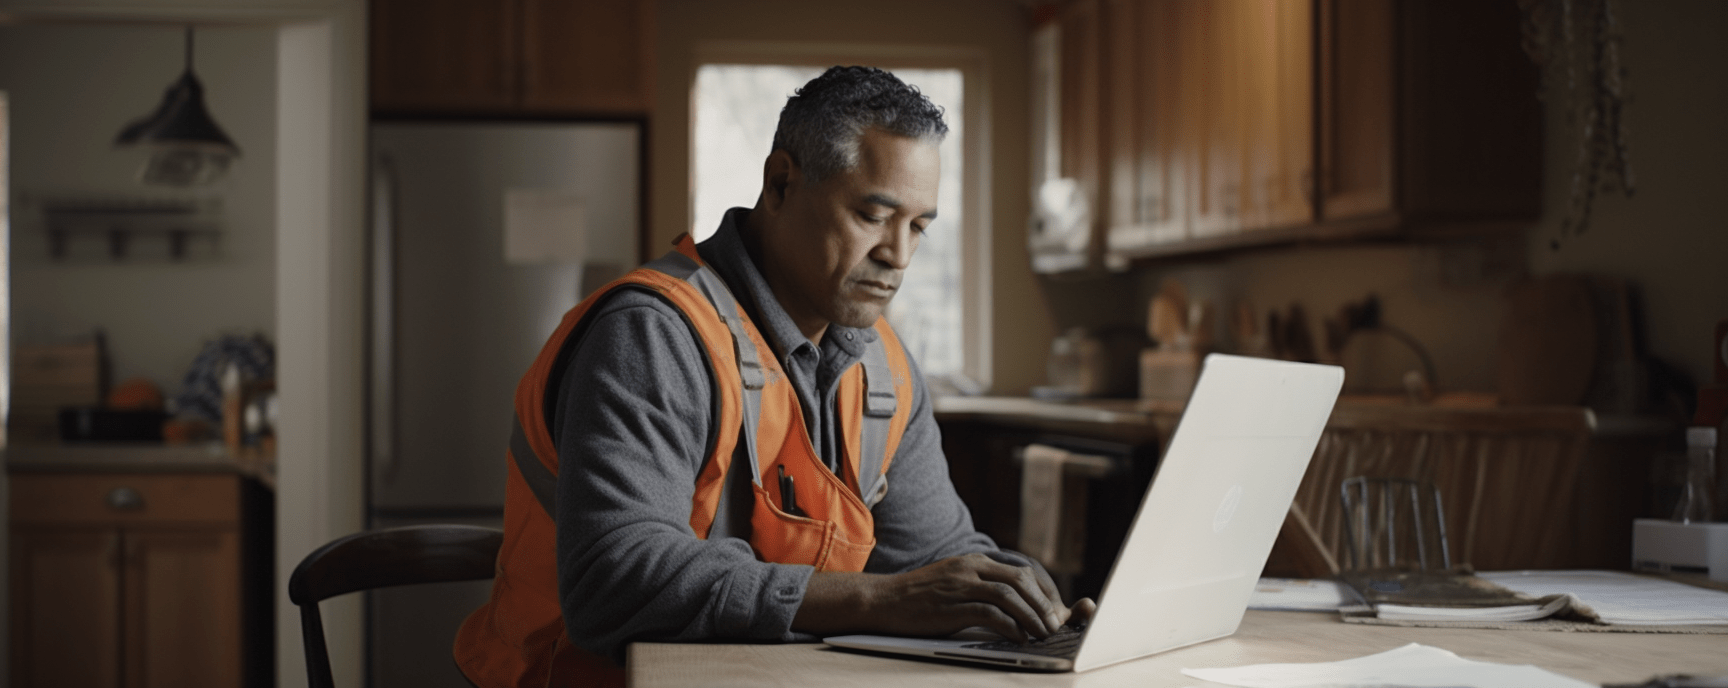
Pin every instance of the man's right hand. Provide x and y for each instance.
(1018, 602)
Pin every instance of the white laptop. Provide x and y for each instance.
(1203, 532)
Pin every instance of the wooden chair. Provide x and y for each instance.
(1516, 482)
(380, 559)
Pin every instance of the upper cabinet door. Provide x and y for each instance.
(594, 56)
(1357, 101)
(1429, 117)
(443, 55)
(1213, 64)
(568, 58)
(1146, 148)
(1285, 178)
(1082, 114)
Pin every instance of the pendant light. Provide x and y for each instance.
(187, 147)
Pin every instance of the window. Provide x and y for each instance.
(736, 109)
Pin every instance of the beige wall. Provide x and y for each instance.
(997, 28)
(1671, 239)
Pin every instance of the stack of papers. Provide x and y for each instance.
(1516, 612)
(1415, 665)
(1624, 599)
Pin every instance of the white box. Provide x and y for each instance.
(1659, 545)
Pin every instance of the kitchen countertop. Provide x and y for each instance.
(1456, 411)
(127, 457)
(1111, 411)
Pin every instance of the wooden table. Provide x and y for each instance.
(1264, 637)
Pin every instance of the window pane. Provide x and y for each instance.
(736, 110)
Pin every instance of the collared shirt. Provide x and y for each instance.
(632, 425)
(813, 370)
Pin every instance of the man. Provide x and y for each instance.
(742, 450)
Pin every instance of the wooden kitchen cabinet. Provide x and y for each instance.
(1210, 130)
(1083, 104)
(1428, 116)
(142, 579)
(65, 599)
(1205, 126)
(444, 55)
(512, 57)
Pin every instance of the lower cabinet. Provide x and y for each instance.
(139, 580)
(983, 465)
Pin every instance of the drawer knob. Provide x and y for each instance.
(125, 499)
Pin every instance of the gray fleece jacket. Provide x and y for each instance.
(631, 423)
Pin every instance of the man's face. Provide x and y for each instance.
(835, 251)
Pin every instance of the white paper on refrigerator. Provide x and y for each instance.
(544, 226)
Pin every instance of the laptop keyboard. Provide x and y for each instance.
(1064, 643)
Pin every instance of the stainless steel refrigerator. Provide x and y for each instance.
(483, 235)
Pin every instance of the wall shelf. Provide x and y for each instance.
(120, 223)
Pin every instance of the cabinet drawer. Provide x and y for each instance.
(125, 498)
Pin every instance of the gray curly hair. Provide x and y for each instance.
(822, 122)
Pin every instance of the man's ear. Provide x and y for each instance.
(779, 176)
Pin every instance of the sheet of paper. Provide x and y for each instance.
(1622, 598)
(544, 226)
(1297, 594)
(1414, 665)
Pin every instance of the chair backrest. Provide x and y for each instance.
(381, 559)
(1394, 523)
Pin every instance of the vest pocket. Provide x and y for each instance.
(782, 538)
(844, 555)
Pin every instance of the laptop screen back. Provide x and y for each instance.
(1219, 498)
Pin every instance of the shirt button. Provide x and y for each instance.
(848, 336)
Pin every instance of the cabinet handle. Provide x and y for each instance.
(386, 215)
(125, 499)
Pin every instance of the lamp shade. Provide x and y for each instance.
(181, 119)
(187, 147)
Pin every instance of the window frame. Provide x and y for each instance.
(975, 240)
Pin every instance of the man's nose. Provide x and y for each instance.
(895, 249)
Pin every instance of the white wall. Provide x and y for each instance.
(72, 87)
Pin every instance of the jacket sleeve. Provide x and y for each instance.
(631, 424)
(921, 520)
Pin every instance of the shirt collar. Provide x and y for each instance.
(725, 253)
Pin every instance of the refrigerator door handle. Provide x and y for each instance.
(382, 352)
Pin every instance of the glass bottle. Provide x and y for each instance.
(1695, 497)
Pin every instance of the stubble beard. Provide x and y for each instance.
(857, 314)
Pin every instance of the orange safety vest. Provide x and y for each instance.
(517, 638)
